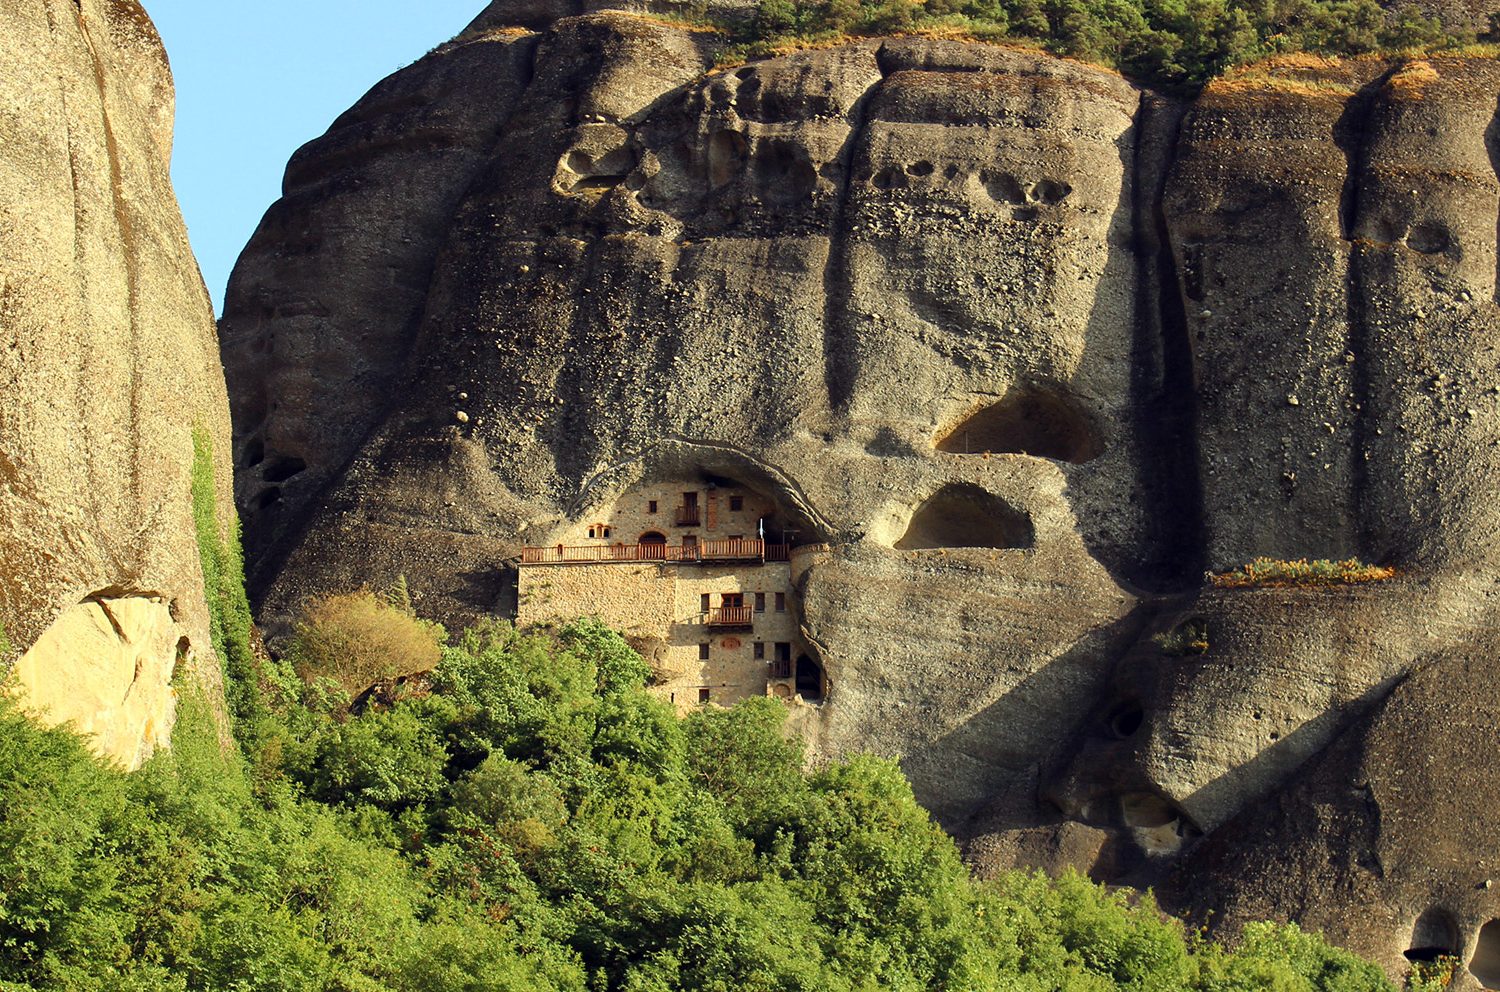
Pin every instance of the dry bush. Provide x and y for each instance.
(361, 638)
(1322, 572)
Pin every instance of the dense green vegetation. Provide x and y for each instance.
(1176, 43)
(224, 583)
(531, 818)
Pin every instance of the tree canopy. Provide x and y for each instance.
(532, 818)
(1173, 43)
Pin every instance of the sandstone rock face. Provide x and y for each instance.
(108, 362)
(106, 665)
(1025, 347)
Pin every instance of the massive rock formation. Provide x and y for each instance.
(910, 286)
(108, 364)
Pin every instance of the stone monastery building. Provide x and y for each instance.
(700, 576)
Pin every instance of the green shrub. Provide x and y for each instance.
(1432, 976)
(1188, 637)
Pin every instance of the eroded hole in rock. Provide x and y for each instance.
(727, 151)
(283, 468)
(1434, 935)
(1051, 192)
(1125, 719)
(580, 172)
(785, 171)
(1023, 213)
(1026, 421)
(961, 515)
(889, 178)
(254, 454)
(1146, 810)
(1429, 239)
(1002, 187)
(1158, 826)
(809, 681)
(1485, 964)
(919, 169)
(268, 498)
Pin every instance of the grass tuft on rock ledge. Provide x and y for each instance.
(1271, 572)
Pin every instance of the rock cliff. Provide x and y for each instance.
(108, 364)
(909, 286)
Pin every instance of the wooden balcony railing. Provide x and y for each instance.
(732, 616)
(705, 551)
(688, 516)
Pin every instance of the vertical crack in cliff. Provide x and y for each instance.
(1163, 380)
(840, 361)
(1352, 134)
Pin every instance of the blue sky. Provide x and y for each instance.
(255, 80)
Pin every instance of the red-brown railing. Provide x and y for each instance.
(739, 549)
(731, 616)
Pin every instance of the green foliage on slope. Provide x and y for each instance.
(224, 586)
(1168, 42)
(538, 821)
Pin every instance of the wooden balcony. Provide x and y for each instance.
(732, 616)
(741, 550)
(688, 516)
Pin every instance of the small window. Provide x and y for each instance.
(591, 532)
(732, 600)
(781, 602)
(703, 651)
(703, 603)
(760, 602)
(760, 650)
(651, 506)
(606, 532)
(702, 695)
(736, 503)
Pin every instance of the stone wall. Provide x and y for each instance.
(659, 607)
